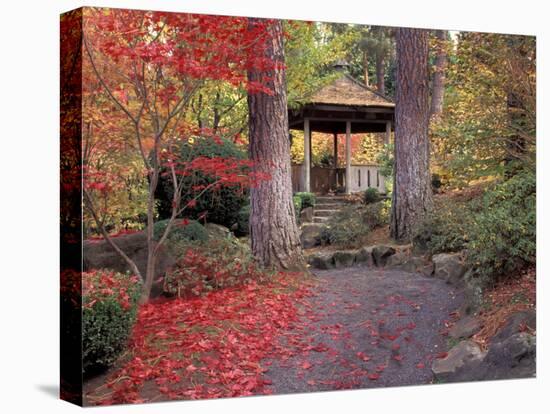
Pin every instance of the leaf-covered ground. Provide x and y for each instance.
(350, 328)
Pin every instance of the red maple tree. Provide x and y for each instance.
(140, 72)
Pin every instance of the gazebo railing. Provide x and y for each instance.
(325, 179)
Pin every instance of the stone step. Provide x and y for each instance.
(329, 206)
(331, 199)
(325, 213)
(320, 219)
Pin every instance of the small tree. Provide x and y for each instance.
(149, 65)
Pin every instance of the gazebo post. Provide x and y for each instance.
(307, 155)
(335, 141)
(348, 157)
(388, 133)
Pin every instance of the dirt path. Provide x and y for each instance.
(367, 328)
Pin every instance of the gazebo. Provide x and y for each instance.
(345, 106)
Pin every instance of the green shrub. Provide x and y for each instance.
(243, 221)
(181, 231)
(221, 204)
(297, 201)
(376, 214)
(308, 199)
(109, 308)
(445, 229)
(346, 228)
(503, 234)
(371, 195)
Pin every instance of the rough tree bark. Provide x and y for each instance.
(273, 228)
(366, 67)
(412, 194)
(438, 79)
(380, 74)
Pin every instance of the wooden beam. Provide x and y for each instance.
(388, 133)
(307, 155)
(348, 157)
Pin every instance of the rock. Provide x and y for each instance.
(449, 267)
(217, 231)
(381, 253)
(473, 293)
(321, 260)
(344, 258)
(311, 235)
(396, 260)
(515, 323)
(364, 257)
(514, 357)
(465, 327)
(460, 359)
(306, 215)
(98, 254)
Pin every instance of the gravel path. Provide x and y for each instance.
(366, 328)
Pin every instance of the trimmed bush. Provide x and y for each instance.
(221, 204)
(109, 308)
(308, 199)
(181, 231)
(243, 220)
(371, 195)
(297, 201)
(223, 263)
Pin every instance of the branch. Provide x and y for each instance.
(99, 223)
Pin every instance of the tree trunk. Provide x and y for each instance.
(273, 229)
(412, 194)
(438, 80)
(380, 75)
(366, 67)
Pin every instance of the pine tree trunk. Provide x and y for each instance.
(438, 80)
(412, 194)
(273, 228)
(366, 67)
(380, 75)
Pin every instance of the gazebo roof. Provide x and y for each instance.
(345, 90)
(344, 99)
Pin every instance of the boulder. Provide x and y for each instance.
(515, 324)
(381, 253)
(344, 258)
(321, 260)
(465, 327)
(306, 215)
(217, 231)
(417, 264)
(311, 235)
(364, 257)
(459, 362)
(515, 357)
(449, 267)
(98, 254)
(396, 260)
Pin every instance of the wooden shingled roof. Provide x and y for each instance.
(345, 90)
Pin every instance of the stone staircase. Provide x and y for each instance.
(326, 207)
